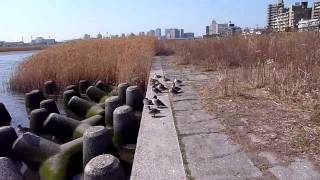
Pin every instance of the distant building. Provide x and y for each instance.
(99, 36)
(309, 25)
(286, 19)
(158, 33)
(207, 30)
(151, 33)
(86, 36)
(123, 35)
(141, 33)
(316, 10)
(182, 33)
(42, 41)
(188, 35)
(174, 34)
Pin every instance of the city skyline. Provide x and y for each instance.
(65, 20)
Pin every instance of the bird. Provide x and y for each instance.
(156, 76)
(156, 90)
(166, 79)
(161, 87)
(153, 81)
(147, 101)
(154, 111)
(177, 81)
(175, 87)
(158, 102)
(174, 91)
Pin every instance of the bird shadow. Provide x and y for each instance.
(158, 117)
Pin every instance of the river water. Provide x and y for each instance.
(14, 102)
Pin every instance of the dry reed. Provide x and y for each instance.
(111, 60)
(287, 64)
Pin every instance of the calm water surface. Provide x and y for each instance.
(13, 101)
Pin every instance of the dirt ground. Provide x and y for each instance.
(263, 123)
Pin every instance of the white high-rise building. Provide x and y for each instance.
(213, 29)
(158, 33)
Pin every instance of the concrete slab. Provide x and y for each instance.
(301, 169)
(158, 155)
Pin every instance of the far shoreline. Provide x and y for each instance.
(23, 48)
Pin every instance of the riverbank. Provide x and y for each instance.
(23, 48)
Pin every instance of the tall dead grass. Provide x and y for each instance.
(286, 64)
(112, 60)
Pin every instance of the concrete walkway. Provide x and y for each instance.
(207, 152)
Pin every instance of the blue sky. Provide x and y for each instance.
(67, 19)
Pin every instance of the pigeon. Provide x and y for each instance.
(154, 81)
(177, 81)
(174, 91)
(175, 87)
(166, 79)
(158, 103)
(156, 90)
(161, 87)
(153, 111)
(156, 76)
(147, 101)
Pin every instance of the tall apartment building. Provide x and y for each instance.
(158, 33)
(273, 11)
(316, 10)
(287, 19)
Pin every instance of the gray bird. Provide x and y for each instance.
(161, 87)
(154, 111)
(156, 76)
(174, 91)
(175, 87)
(154, 81)
(147, 101)
(158, 102)
(156, 90)
(166, 79)
(177, 81)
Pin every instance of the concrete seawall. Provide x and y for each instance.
(158, 155)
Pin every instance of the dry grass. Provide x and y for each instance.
(112, 60)
(288, 64)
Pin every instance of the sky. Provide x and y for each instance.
(69, 19)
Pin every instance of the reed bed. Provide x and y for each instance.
(111, 60)
(287, 64)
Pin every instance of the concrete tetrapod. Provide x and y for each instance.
(96, 94)
(122, 88)
(55, 161)
(33, 99)
(84, 108)
(50, 87)
(5, 117)
(75, 88)
(110, 105)
(8, 170)
(104, 167)
(125, 126)
(50, 105)
(7, 137)
(67, 95)
(66, 129)
(134, 97)
(83, 86)
(97, 141)
(37, 118)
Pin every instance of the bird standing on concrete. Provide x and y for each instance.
(174, 91)
(156, 90)
(161, 87)
(147, 101)
(158, 103)
(154, 81)
(156, 76)
(175, 87)
(177, 81)
(166, 79)
(154, 111)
